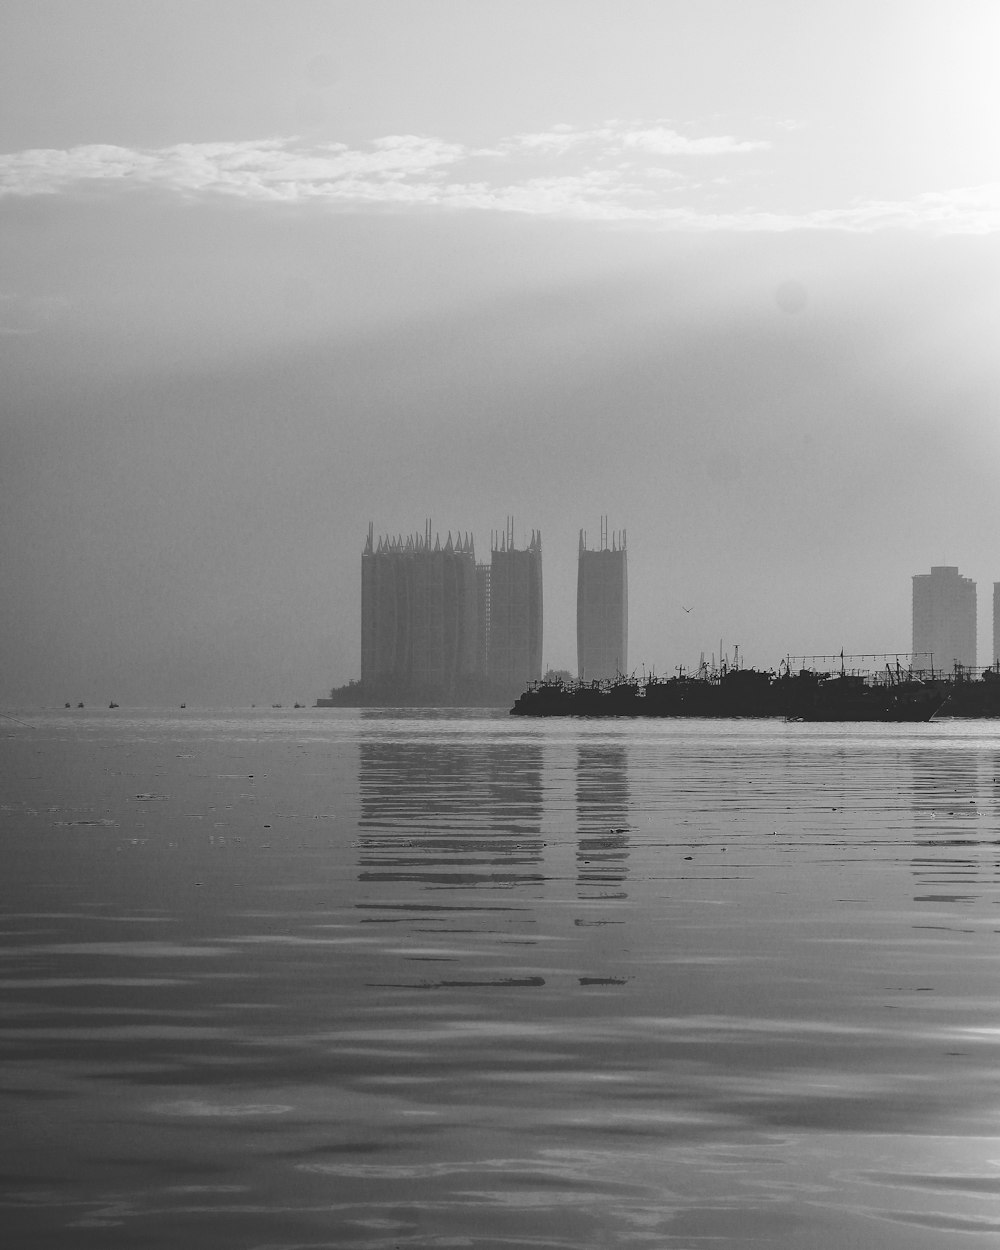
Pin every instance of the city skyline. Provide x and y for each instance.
(495, 639)
(728, 272)
(394, 856)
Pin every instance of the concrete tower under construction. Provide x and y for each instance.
(995, 657)
(602, 607)
(514, 595)
(944, 619)
(419, 616)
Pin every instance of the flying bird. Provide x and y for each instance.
(688, 609)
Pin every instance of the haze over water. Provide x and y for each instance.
(278, 979)
(725, 273)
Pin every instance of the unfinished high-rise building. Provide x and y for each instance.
(944, 619)
(995, 657)
(482, 619)
(419, 616)
(602, 607)
(514, 593)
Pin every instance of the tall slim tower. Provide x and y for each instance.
(995, 657)
(515, 607)
(602, 607)
(944, 619)
(482, 620)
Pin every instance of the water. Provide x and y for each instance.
(322, 979)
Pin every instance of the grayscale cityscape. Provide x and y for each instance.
(439, 628)
(500, 706)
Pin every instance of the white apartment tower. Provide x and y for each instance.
(944, 619)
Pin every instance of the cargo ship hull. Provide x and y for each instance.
(806, 696)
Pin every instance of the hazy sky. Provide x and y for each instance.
(727, 272)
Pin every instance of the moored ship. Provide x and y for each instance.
(743, 692)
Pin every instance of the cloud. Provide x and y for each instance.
(961, 210)
(666, 142)
(615, 137)
(596, 195)
(561, 139)
(626, 172)
(267, 169)
(393, 168)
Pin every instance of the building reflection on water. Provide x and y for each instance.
(444, 815)
(602, 820)
(450, 853)
(602, 853)
(953, 800)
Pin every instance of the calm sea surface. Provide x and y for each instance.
(327, 979)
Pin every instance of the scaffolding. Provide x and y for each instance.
(602, 606)
(419, 612)
(514, 653)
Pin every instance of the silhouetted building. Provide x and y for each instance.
(944, 619)
(995, 658)
(515, 612)
(602, 607)
(482, 619)
(419, 615)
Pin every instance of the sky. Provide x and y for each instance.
(724, 271)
